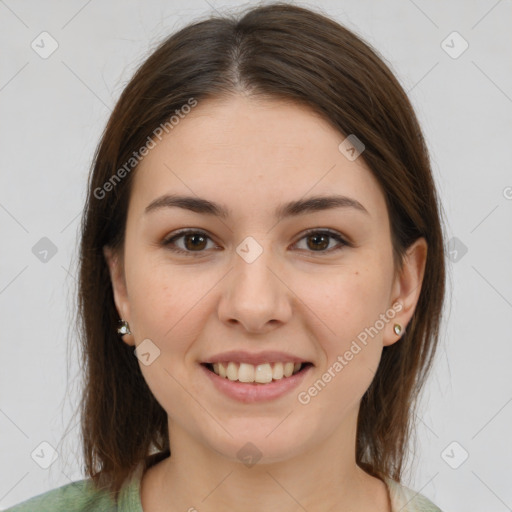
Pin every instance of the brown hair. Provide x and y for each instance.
(276, 51)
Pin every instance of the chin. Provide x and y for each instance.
(260, 445)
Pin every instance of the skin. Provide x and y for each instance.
(251, 155)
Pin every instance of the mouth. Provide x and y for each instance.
(256, 374)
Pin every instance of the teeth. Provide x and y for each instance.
(277, 371)
(232, 371)
(246, 372)
(262, 373)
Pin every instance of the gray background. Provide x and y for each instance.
(53, 111)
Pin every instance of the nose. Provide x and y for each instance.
(255, 296)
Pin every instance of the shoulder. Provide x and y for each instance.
(79, 496)
(404, 499)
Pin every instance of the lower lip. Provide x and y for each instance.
(252, 392)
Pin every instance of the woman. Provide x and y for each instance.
(262, 277)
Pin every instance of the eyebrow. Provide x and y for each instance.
(290, 209)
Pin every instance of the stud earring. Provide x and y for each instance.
(398, 329)
(123, 328)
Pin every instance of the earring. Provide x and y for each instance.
(398, 329)
(123, 328)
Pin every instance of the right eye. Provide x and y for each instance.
(193, 242)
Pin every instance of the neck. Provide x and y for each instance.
(322, 478)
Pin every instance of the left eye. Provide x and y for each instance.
(320, 241)
(197, 241)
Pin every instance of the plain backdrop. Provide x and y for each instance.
(453, 58)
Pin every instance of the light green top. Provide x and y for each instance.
(82, 497)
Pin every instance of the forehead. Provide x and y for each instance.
(248, 153)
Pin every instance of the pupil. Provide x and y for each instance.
(201, 239)
(317, 238)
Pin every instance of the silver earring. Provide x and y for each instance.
(123, 328)
(398, 329)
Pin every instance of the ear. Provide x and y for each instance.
(116, 269)
(407, 288)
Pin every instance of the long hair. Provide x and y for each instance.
(277, 51)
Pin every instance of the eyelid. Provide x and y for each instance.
(325, 231)
(341, 239)
(166, 242)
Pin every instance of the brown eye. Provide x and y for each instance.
(189, 242)
(320, 241)
(195, 241)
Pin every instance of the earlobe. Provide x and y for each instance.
(407, 289)
(116, 270)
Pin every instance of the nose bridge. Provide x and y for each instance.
(254, 296)
(251, 265)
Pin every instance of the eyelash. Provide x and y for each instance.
(332, 234)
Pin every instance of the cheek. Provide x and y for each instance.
(348, 301)
(349, 305)
(171, 305)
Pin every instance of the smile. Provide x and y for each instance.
(261, 373)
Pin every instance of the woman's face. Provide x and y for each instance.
(267, 273)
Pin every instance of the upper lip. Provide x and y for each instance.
(241, 356)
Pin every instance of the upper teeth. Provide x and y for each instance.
(261, 373)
